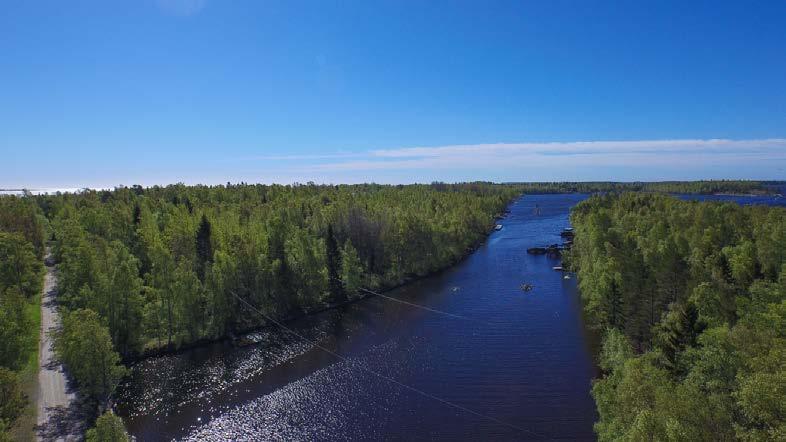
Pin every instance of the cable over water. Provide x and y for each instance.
(388, 378)
(423, 307)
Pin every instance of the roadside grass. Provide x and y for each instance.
(24, 426)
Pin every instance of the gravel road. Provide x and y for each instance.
(58, 414)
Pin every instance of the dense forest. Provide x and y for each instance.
(692, 298)
(166, 266)
(22, 236)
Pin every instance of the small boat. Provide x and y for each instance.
(566, 276)
(526, 287)
(557, 268)
(498, 227)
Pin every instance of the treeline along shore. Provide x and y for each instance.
(144, 270)
(164, 266)
(692, 299)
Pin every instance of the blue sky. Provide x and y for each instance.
(154, 92)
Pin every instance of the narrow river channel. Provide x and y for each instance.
(502, 364)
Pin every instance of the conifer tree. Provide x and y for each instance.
(334, 267)
(204, 248)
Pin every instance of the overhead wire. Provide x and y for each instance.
(422, 307)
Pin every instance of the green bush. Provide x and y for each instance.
(109, 428)
(85, 347)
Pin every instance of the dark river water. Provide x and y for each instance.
(494, 362)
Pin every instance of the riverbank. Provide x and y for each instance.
(151, 352)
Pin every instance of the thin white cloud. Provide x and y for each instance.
(677, 153)
(591, 147)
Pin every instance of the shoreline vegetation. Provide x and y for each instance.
(362, 295)
(183, 250)
(147, 271)
(691, 297)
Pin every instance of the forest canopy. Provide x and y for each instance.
(692, 298)
(167, 266)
